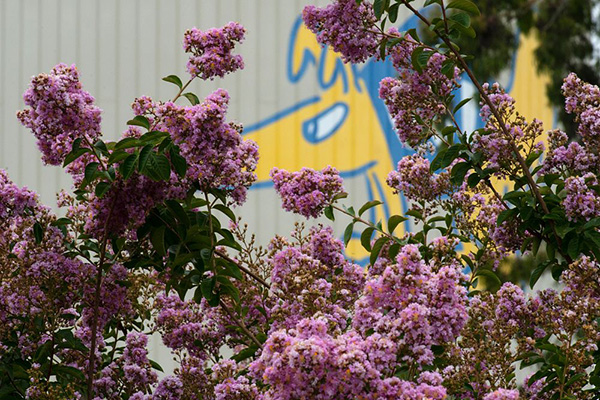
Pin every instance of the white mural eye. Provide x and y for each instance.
(325, 124)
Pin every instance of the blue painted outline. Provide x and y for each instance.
(312, 137)
(281, 114)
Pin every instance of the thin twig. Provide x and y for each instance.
(94, 327)
(359, 219)
(240, 324)
(182, 89)
(243, 269)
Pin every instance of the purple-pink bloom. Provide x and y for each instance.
(60, 112)
(345, 26)
(307, 192)
(502, 394)
(211, 50)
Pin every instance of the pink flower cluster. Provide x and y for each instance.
(197, 329)
(308, 362)
(346, 26)
(314, 278)
(307, 192)
(132, 370)
(48, 284)
(581, 203)
(216, 155)
(415, 95)
(494, 143)
(414, 179)
(60, 112)
(211, 50)
(414, 305)
(583, 100)
(502, 394)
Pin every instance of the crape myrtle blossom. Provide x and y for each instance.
(413, 95)
(583, 100)
(502, 394)
(60, 112)
(413, 178)
(494, 143)
(215, 152)
(346, 26)
(313, 278)
(211, 50)
(581, 202)
(307, 192)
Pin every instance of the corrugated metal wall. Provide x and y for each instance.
(299, 102)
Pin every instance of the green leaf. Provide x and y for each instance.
(420, 57)
(369, 205)
(490, 275)
(179, 163)
(348, 233)
(225, 210)
(445, 157)
(457, 175)
(473, 180)
(365, 238)
(393, 222)
(464, 5)
(62, 222)
(379, 7)
(393, 12)
(207, 287)
(139, 120)
(448, 69)
(155, 365)
(145, 154)
(173, 79)
(74, 155)
(573, 248)
(65, 371)
(38, 232)
(537, 273)
(102, 188)
(157, 238)
(328, 211)
(415, 213)
(377, 248)
(127, 143)
(461, 18)
(592, 223)
(158, 168)
(118, 156)
(245, 354)
(192, 98)
(101, 146)
(507, 215)
(128, 165)
(90, 170)
(461, 104)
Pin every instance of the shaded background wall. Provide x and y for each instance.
(298, 101)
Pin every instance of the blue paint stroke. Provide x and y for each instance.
(281, 114)
(312, 128)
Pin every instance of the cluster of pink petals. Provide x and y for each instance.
(60, 112)
(211, 50)
(307, 192)
(346, 26)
